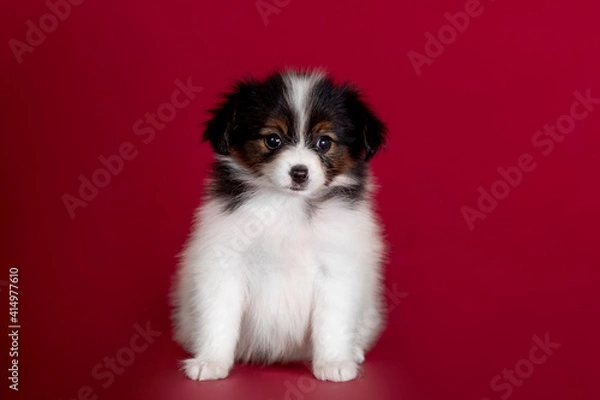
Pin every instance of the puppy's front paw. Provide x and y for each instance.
(205, 371)
(335, 371)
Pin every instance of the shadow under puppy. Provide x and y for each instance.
(284, 259)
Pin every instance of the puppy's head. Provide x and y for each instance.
(296, 132)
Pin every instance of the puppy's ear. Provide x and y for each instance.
(220, 127)
(374, 133)
(369, 129)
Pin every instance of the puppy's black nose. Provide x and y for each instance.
(299, 173)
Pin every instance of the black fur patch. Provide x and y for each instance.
(226, 186)
(354, 122)
(244, 112)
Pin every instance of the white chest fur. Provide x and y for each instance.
(280, 265)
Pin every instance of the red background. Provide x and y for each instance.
(472, 300)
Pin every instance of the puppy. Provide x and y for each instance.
(284, 259)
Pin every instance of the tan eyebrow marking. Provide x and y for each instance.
(274, 123)
(324, 127)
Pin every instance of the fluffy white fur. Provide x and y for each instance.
(269, 282)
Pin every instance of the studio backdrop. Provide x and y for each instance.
(488, 189)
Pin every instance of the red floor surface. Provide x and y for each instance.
(476, 285)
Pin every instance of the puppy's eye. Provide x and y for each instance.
(324, 144)
(273, 141)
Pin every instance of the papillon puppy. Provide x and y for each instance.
(284, 262)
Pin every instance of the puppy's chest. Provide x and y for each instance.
(282, 239)
(282, 261)
(281, 264)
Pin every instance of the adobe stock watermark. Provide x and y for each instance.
(35, 33)
(305, 384)
(394, 297)
(145, 129)
(446, 35)
(266, 8)
(504, 384)
(106, 372)
(543, 140)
